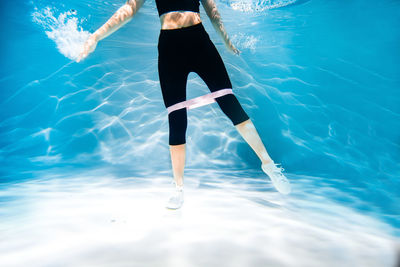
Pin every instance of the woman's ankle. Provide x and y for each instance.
(264, 162)
(178, 184)
(265, 158)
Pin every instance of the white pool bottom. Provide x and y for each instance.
(104, 221)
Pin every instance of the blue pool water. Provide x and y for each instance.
(82, 145)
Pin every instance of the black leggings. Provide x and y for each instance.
(181, 51)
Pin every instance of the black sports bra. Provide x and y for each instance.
(164, 6)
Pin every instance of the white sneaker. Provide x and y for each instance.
(279, 180)
(176, 200)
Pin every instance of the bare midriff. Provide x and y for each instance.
(179, 19)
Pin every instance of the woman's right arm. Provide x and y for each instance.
(123, 15)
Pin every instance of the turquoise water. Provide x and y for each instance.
(84, 146)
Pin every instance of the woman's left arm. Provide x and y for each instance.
(212, 12)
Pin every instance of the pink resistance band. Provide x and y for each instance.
(200, 100)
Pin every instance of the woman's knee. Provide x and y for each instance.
(230, 105)
(177, 127)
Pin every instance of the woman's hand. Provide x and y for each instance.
(232, 48)
(88, 47)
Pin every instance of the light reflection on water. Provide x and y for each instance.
(100, 220)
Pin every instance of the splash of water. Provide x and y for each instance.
(244, 41)
(63, 29)
(258, 5)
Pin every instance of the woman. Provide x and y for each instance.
(184, 46)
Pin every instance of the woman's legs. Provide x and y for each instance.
(246, 130)
(178, 154)
(178, 165)
(250, 135)
(201, 56)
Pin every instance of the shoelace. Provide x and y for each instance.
(278, 171)
(280, 168)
